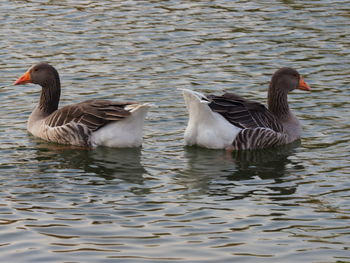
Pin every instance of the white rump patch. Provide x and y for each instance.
(125, 133)
(205, 127)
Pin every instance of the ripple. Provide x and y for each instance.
(166, 202)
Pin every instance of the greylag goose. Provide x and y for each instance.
(234, 123)
(89, 123)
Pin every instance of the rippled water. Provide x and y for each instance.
(166, 202)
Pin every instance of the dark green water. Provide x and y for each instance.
(166, 202)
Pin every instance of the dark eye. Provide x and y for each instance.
(36, 69)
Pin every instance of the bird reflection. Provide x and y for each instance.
(268, 163)
(108, 163)
(205, 168)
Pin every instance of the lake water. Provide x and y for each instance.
(165, 202)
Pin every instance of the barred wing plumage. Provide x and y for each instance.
(93, 114)
(244, 113)
(260, 128)
(73, 124)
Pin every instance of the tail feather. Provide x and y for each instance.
(205, 127)
(191, 95)
(137, 106)
(124, 133)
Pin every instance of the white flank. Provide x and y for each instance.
(205, 127)
(123, 133)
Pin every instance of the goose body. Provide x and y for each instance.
(89, 123)
(232, 122)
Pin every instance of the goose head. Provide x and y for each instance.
(42, 74)
(288, 79)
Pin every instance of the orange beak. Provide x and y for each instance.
(24, 79)
(303, 85)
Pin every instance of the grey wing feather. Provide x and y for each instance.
(244, 113)
(258, 138)
(92, 113)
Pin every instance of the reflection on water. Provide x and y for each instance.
(207, 167)
(107, 163)
(265, 163)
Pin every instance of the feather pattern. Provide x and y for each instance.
(260, 128)
(74, 124)
(244, 113)
(258, 138)
(92, 113)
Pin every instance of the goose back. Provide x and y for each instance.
(244, 113)
(92, 113)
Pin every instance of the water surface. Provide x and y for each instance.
(165, 202)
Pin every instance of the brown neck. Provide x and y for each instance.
(50, 95)
(277, 102)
